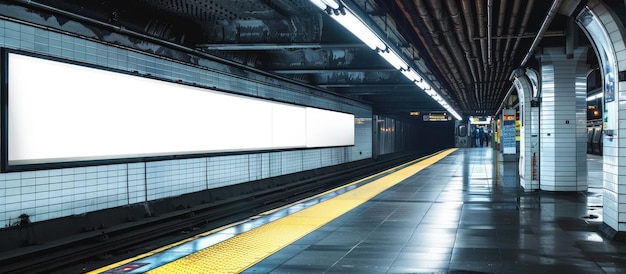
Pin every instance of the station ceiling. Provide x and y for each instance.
(467, 48)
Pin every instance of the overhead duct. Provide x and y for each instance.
(544, 27)
(469, 50)
(424, 13)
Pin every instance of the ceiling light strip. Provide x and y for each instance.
(361, 30)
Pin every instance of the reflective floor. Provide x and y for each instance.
(464, 214)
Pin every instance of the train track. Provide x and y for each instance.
(89, 246)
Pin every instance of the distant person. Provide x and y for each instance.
(487, 137)
(476, 135)
(481, 136)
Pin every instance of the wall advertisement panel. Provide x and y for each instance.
(66, 113)
(508, 133)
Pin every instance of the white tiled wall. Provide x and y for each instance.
(175, 177)
(614, 154)
(56, 193)
(563, 163)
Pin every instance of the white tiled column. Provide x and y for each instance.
(522, 84)
(533, 76)
(607, 34)
(563, 125)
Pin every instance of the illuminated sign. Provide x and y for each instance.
(443, 117)
(482, 120)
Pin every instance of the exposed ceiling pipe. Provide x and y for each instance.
(455, 14)
(500, 80)
(495, 69)
(469, 22)
(451, 42)
(501, 15)
(513, 26)
(502, 64)
(522, 30)
(544, 27)
(435, 58)
(482, 30)
(466, 6)
(424, 13)
(480, 7)
(489, 19)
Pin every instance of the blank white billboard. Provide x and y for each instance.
(326, 127)
(61, 112)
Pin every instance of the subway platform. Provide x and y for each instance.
(460, 211)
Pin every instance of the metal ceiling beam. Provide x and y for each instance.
(330, 70)
(277, 46)
(555, 33)
(368, 85)
(386, 95)
(408, 109)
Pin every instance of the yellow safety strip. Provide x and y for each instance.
(242, 251)
(227, 256)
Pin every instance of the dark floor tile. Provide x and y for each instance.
(476, 242)
(259, 269)
(476, 254)
(350, 262)
(372, 254)
(614, 269)
(357, 269)
(520, 268)
(423, 256)
(472, 232)
(290, 269)
(327, 258)
(342, 238)
(429, 264)
(475, 267)
(427, 249)
(431, 240)
(415, 270)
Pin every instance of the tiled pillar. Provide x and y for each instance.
(607, 35)
(533, 77)
(523, 86)
(563, 122)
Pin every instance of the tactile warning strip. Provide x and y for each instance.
(242, 251)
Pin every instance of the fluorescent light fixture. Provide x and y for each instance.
(424, 86)
(319, 4)
(456, 115)
(360, 30)
(331, 3)
(394, 59)
(363, 32)
(412, 75)
(323, 4)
